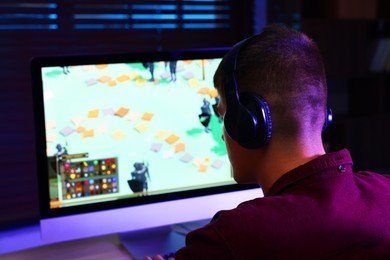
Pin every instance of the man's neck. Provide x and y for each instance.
(278, 159)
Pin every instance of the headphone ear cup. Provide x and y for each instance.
(250, 123)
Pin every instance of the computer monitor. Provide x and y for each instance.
(129, 142)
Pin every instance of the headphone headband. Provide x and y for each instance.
(230, 67)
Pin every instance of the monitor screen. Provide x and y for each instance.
(129, 131)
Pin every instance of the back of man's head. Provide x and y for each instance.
(285, 67)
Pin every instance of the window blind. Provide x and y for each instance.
(115, 14)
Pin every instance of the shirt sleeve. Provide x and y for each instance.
(204, 243)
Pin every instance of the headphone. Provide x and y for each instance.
(247, 118)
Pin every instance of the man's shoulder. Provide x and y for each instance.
(257, 208)
(252, 224)
(373, 179)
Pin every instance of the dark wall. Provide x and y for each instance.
(354, 39)
(352, 35)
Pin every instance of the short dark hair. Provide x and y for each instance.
(285, 67)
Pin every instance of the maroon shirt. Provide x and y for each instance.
(320, 210)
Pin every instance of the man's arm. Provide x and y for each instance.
(204, 243)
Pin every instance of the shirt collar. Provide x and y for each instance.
(326, 161)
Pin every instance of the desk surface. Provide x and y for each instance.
(26, 243)
(22, 244)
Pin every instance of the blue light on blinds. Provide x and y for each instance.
(203, 16)
(29, 26)
(155, 26)
(101, 26)
(102, 16)
(204, 25)
(28, 16)
(170, 14)
(153, 7)
(35, 16)
(154, 16)
(127, 26)
(200, 7)
(29, 5)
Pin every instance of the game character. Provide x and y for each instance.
(205, 116)
(150, 66)
(140, 176)
(215, 109)
(65, 70)
(172, 69)
(61, 150)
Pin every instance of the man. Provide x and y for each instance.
(315, 206)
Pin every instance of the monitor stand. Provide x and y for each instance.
(158, 241)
